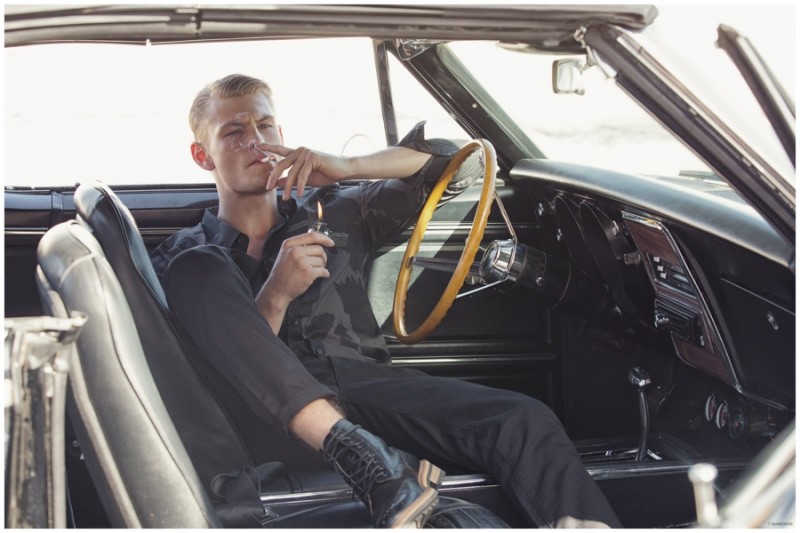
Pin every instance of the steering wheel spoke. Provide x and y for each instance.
(444, 265)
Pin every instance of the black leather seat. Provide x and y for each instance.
(210, 437)
(138, 463)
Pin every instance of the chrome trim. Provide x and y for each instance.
(41, 231)
(471, 480)
(442, 265)
(628, 469)
(25, 232)
(159, 231)
(412, 361)
(450, 484)
(499, 262)
(460, 483)
(645, 221)
(479, 288)
(311, 496)
(506, 218)
(703, 476)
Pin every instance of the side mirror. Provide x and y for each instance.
(567, 76)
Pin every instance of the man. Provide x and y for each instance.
(251, 280)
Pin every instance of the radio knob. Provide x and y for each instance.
(661, 320)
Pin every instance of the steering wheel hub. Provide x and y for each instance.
(500, 262)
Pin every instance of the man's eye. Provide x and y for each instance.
(264, 126)
(233, 132)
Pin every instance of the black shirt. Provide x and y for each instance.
(334, 316)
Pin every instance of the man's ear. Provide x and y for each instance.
(201, 157)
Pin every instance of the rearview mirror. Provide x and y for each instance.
(567, 76)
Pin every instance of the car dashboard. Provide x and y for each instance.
(701, 268)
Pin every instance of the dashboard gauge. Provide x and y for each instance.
(723, 415)
(711, 407)
(737, 427)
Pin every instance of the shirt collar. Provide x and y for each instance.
(220, 233)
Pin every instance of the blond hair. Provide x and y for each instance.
(228, 87)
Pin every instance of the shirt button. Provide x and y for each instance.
(295, 321)
(319, 351)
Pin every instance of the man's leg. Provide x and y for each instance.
(215, 309)
(513, 437)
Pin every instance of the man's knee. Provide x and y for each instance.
(523, 415)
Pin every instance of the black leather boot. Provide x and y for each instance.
(399, 490)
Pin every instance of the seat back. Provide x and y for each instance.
(140, 467)
(219, 429)
(210, 437)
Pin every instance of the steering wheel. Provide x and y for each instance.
(467, 258)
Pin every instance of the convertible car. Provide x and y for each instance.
(627, 254)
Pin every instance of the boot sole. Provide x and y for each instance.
(415, 515)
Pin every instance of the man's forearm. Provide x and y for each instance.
(393, 162)
(271, 308)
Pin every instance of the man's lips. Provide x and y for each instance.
(261, 160)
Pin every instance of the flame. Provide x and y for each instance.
(319, 210)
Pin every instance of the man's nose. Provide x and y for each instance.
(255, 135)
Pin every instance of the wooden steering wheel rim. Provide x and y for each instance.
(467, 255)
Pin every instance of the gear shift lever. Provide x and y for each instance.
(640, 379)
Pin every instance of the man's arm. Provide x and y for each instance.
(301, 260)
(394, 162)
(305, 167)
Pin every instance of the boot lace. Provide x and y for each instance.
(358, 465)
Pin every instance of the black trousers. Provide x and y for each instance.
(515, 438)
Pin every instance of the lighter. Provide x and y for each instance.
(320, 226)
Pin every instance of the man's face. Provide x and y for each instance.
(233, 127)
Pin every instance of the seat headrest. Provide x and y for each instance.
(100, 207)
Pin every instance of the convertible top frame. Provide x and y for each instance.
(551, 26)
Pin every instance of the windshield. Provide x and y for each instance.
(605, 127)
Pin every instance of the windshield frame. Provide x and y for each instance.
(649, 82)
